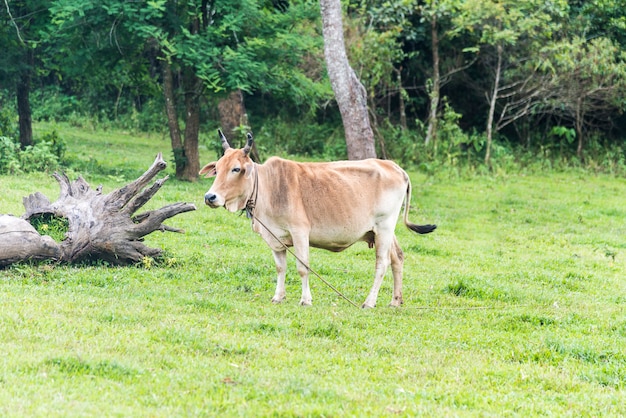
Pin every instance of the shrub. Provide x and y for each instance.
(51, 104)
(8, 127)
(9, 156)
(278, 136)
(56, 143)
(38, 157)
(45, 155)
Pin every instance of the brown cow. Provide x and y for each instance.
(324, 205)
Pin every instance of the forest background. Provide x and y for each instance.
(479, 84)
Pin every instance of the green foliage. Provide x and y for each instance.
(244, 45)
(39, 157)
(48, 224)
(453, 148)
(50, 104)
(45, 155)
(562, 132)
(99, 66)
(8, 124)
(148, 119)
(304, 138)
(179, 157)
(589, 83)
(375, 56)
(600, 18)
(9, 156)
(55, 142)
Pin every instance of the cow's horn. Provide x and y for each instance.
(225, 143)
(248, 147)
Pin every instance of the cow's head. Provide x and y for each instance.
(233, 183)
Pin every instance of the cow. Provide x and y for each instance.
(329, 205)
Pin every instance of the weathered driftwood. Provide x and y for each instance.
(101, 227)
(20, 241)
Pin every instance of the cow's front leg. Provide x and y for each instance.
(383, 242)
(301, 248)
(280, 258)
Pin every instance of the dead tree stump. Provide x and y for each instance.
(100, 227)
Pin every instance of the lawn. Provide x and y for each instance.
(514, 306)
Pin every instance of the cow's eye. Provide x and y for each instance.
(236, 170)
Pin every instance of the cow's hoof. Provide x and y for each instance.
(276, 300)
(366, 306)
(396, 301)
(306, 303)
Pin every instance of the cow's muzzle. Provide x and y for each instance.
(211, 200)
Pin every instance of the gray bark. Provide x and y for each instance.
(19, 241)
(431, 134)
(101, 227)
(349, 92)
(492, 106)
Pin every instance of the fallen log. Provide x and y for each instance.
(100, 227)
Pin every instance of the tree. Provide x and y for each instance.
(439, 14)
(412, 39)
(595, 18)
(350, 94)
(197, 48)
(589, 85)
(508, 32)
(20, 42)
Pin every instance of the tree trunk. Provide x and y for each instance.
(233, 116)
(349, 92)
(172, 118)
(579, 128)
(492, 105)
(193, 86)
(431, 134)
(401, 104)
(186, 156)
(23, 101)
(101, 227)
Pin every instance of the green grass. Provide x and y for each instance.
(514, 306)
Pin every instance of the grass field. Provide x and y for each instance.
(514, 306)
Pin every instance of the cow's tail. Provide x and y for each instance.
(420, 229)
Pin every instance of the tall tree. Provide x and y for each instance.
(374, 49)
(589, 85)
(508, 31)
(438, 14)
(595, 18)
(350, 94)
(20, 43)
(416, 39)
(202, 48)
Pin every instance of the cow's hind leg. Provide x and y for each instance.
(280, 258)
(397, 262)
(383, 242)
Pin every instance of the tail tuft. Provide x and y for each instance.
(421, 229)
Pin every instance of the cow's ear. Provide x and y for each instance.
(249, 167)
(208, 170)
